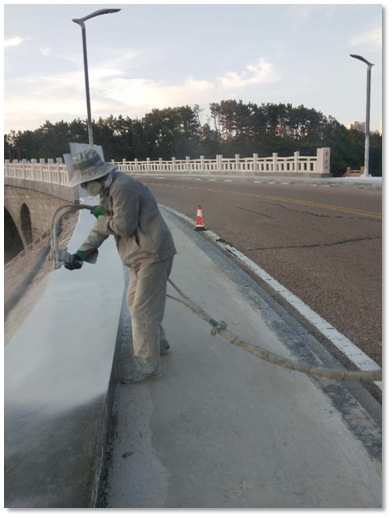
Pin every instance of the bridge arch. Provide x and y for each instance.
(25, 220)
(13, 243)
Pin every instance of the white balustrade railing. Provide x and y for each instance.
(56, 172)
(319, 164)
(47, 172)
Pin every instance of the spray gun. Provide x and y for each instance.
(60, 257)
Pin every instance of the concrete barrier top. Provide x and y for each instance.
(57, 372)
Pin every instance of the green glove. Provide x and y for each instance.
(82, 255)
(99, 211)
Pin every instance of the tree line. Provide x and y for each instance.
(232, 127)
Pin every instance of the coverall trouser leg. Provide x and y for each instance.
(146, 299)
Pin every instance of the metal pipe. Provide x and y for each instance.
(89, 122)
(80, 21)
(367, 128)
(367, 137)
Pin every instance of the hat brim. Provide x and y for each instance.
(98, 171)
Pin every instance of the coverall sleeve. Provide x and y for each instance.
(125, 209)
(94, 240)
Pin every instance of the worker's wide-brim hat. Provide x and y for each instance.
(88, 166)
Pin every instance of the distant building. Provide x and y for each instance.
(359, 126)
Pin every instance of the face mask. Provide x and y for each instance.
(93, 188)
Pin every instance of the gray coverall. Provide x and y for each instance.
(146, 246)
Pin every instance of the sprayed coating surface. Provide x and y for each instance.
(57, 371)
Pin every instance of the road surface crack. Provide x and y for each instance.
(315, 245)
(313, 213)
(253, 211)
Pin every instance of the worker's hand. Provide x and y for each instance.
(100, 211)
(74, 262)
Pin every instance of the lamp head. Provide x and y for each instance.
(355, 56)
(80, 21)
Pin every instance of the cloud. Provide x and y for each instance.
(59, 96)
(262, 72)
(372, 38)
(13, 42)
(157, 94)
(301, 12)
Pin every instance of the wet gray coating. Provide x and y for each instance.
(57, 372)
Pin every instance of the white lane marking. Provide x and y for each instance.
(271, 182)
(211, 180)
(256, 182)
(358, 357)
(228, 180)
(160, 177)
(285, 183)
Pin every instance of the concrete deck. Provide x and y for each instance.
(223, 429)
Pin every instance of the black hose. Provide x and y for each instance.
(19, 291)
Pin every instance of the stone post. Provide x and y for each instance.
(160, 164)
(23, 162)
(33, 168)
(202, 163)
(323, 160)
(296, 161)
(136, 164)
(237, 163)
(6, 169)
(274, 162)
(58, 162)
(174, 163)
(148, 165)
(42, 161)
(50, 161)
(255, 158)
(187, 158)
(218, 163)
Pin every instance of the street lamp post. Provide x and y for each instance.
(80, 21)
(367, 130)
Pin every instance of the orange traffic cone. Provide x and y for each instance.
(199, 219)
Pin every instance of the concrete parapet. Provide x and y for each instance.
(58, 191)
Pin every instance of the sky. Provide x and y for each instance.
(156, 56)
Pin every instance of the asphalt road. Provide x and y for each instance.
(323, 243)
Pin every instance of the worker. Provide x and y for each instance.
(128, 211)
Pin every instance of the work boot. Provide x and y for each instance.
(139, 375)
